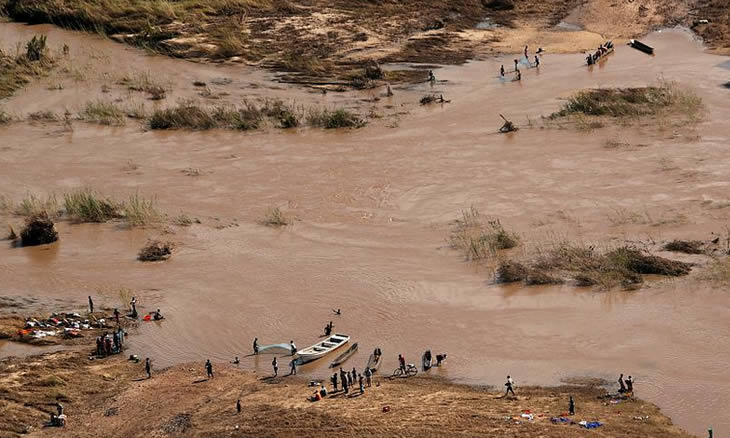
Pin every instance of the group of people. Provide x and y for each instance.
(602, 50)
(348, 380)
(518, 74)
(110, 343)
(625, 385)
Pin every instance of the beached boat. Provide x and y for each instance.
(427, 360)
(638, 45)
(376, 358)
(322, 348)
(344, 356)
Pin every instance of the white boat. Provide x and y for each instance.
(322, 348)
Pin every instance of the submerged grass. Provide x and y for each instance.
(275, 217)
(247, 116)
(339, 118)
(478, 237)
(88, 206)
(16, 71)
(103, 112)
(667, 97)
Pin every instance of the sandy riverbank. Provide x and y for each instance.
(111, 397)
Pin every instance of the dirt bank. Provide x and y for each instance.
(330, 41)
(111, 398)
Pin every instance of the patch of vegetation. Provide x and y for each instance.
(104, 113)
(685, 246)
(87, 206)
(339, 118)
(185, 115)
(33, 206)
(139, 211)
(155, 251)
(632, 102)
(43, 116)
(275, 218)
(39, 230)
(622, 266)
(4, 117)
(510, 271)
(144, 83)
(480, 238)
(183, 220)
(16, 71)
(718, 270)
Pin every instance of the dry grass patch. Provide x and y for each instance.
(275, 217)
(667, 99)
(33, 205)
(478, 237)
(103, 112)
(88, 206)
(685, 246)
(16, 71)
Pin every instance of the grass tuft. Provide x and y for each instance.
(275, 218)
(87, 206)
(139, 211)
(685, 246)
(104, 113)
(480, 238)
(339, 118)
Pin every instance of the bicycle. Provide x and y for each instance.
(410, 371)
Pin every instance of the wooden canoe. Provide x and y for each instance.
(374, 362)
(344, 356)
(638, 45)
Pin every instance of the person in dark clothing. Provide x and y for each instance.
(148, 367)
(333, 379)
(59, 408)
(116, 315)
(91, 305)
(537, 61)
(99, 346)
(440, 358)
(630, 385)
(516, 62)
(571, 406)
(134, 310)
(362, 384)
(209, 368)
(501, 71)
(157, 315)
(402, 363)
(343, 379)
(354, 374)
(255, 345)
(293, 366)
(622, 387)
(526, 53)
(238, 405)
(509, 385)
(275, 364)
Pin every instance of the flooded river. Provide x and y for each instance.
(372, 208)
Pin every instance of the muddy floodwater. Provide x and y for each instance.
(372, 208)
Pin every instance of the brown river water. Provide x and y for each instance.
(372, 208)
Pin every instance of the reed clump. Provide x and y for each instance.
(478, 237)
